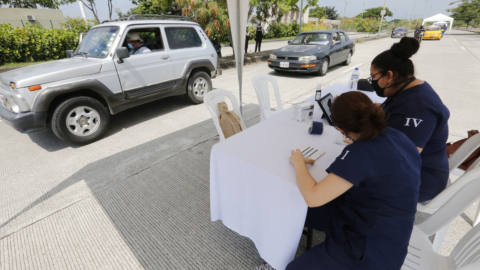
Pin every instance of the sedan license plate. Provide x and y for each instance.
(284, 64)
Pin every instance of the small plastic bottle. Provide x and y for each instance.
(352, 83)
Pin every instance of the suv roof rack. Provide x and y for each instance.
(153, 17)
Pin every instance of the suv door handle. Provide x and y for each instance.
(166, 57)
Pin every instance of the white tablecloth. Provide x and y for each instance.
(253, 186)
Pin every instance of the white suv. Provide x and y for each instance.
(76, 95)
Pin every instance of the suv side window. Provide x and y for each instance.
(152, 38)
(343, 38)
(182, 37)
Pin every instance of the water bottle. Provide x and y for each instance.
(352, 83)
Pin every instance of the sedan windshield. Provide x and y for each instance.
(433, 28)
(97, 42)
(312, 39)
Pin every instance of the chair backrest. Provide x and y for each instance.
(261, 85)
(467, 251)
(466, 195)
(464, 151)
(466, 254)
(212, 98)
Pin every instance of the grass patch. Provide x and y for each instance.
(9, 65)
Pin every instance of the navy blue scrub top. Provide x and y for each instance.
(376, 215)
(420, 114)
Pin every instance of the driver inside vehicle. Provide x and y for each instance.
(135, 44)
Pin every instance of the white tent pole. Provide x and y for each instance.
(239, 67)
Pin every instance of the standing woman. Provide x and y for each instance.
(414, 108)
(367, 203)
(258, 37)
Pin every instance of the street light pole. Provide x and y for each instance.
(82, 10)
(363, 10)
(423, 15)
(383, 14)
(411, 15)
(344, 10)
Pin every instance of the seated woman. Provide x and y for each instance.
(367, 203)
(414, 108)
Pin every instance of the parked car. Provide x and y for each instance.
(313, 52)
(433, 32)
(399, 32)
(76, 96)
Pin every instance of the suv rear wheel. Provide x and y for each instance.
(198, 85)
(80, 120)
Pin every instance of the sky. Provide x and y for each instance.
(402, 9)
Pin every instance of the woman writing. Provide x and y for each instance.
(414, 108)
(367, 203)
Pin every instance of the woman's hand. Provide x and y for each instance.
(297, 158)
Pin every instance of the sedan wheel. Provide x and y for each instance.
(323, 67)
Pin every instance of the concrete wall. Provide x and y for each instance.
(46, 18)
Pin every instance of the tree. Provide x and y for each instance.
(78, 25)
(318, 12)
(30, 3)
(467, 10)
(331, 13)
(375, 13)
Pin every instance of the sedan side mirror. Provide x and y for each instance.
(69, 53)
(122, 53)
(289, 42)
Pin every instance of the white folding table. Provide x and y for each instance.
(253, 186)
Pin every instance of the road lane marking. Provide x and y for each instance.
(463, 48)
(352, 68)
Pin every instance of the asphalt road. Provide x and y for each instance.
(139, 199)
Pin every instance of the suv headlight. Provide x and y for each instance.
(272, 56)
(307, 58)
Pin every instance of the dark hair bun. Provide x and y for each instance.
(405, 48)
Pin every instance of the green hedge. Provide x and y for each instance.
(34, 43)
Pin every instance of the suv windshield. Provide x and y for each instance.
(97, 42)
(312, 39)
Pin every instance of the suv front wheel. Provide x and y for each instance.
(80, 120)
(198, 85)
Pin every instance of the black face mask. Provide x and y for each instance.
(379, 90)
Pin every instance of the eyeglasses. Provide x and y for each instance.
(370, 79)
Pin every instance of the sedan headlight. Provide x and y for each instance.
(307, 58)
(272, 56)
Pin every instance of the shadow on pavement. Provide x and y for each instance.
(157, 197)
(123, 120)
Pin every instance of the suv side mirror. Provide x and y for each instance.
(69, 53)
(289, 42)
(122, 53)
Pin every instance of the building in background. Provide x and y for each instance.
(18, 17)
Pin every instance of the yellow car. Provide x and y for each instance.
(432, 32)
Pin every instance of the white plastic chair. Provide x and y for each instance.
(212, 98)
(454, 161)
(261, 85)
(466, 254)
